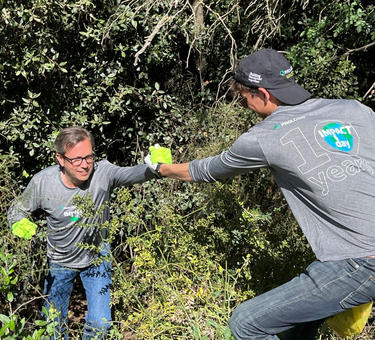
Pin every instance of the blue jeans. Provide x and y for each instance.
(325, 289)
(96, 280)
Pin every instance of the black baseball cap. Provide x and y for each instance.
(269, 69)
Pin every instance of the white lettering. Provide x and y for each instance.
(336, 173)
(254, 77)
(344, 130)
(363, 165)
(342, 144)
(290, 121)
(74, 213)
(321, 182)
(350, 168)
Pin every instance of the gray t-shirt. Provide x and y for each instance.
(322, 155)
(47, 191)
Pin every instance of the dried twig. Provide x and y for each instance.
(155, 31)
(370, 92)
(164, 20)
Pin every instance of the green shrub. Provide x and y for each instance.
(140, 72)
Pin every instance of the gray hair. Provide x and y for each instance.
(70, 136)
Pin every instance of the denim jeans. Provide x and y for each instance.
(97, 282)
(325, 289)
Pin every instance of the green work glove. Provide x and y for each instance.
(24, 228)
(160, 154)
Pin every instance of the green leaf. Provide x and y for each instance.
(10, 296)
(12, 325)
(40, 322)
(4, 318)
(227, 333)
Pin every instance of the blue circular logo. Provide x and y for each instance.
(337, 136)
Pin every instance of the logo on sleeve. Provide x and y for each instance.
(338, 136)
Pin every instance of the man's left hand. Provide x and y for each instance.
(158, 155)
(24, 228)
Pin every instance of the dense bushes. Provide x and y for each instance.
(135, 72)
(184, 254)
(140, 72)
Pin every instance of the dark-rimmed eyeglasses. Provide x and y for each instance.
(77, 161)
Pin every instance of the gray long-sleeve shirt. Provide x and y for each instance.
(322, 155)
(47, 191)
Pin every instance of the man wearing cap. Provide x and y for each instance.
(322, 155)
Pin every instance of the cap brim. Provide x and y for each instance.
(291, 95)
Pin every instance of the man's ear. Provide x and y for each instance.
(60, 159)
(264, 93)
(268, 97)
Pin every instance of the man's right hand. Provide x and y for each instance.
(24, 228)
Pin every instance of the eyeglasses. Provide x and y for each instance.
(77, 161)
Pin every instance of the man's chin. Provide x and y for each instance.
(82, 177)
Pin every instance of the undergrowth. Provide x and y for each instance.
(184, 255)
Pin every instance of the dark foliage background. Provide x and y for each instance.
(140, 72)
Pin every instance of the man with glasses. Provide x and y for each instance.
(53, 190)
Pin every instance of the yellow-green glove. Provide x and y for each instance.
(160, 154)
(24, 229)
(157, 156)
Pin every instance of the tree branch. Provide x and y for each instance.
(359, 48)
(149, 39)
(165, 19)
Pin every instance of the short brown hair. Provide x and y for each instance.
(237, 87)
(70, 136)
